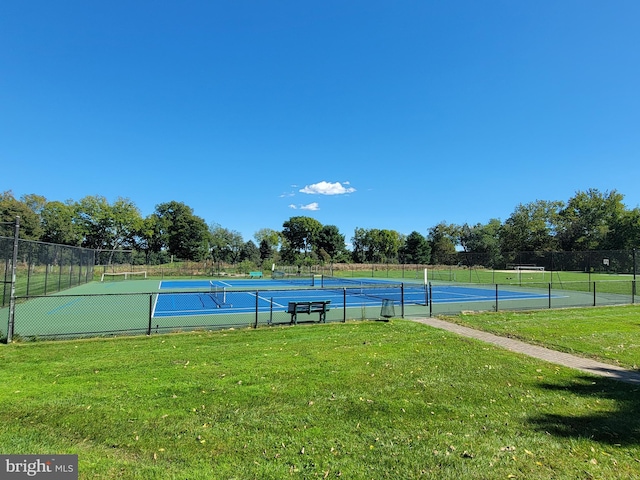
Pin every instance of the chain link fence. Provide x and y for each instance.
(43, 268)
(105, 315)
(73, 316)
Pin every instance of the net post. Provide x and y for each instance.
(12, 298)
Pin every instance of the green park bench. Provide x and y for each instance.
(320, 307)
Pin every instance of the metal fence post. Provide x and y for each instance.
(344, 305)
(150, 313)
(12, 298)
(255, 325)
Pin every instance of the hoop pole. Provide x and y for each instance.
(12, 298)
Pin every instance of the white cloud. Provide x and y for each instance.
(328, 188)
(311, 206)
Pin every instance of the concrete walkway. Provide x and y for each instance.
(564, 359)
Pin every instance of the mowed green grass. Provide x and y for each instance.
(609, 334)
(358, 400)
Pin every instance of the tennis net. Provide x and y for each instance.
(375, 288)
(217, 293)
(293, 278)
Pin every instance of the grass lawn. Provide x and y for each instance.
(358, 400)
(609, 334)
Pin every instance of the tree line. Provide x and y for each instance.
(590, 220)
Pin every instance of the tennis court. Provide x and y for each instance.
(227, 297)
(134, 307)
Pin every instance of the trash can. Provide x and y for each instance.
(387, 311)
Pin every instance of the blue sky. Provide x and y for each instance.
(371, 114)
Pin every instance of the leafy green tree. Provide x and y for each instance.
(250, 252)
(375, 245)
(531, 227)
(270, 237)
(483, 241)
(10, 208)
(35, 202)
(108, 227)
(389, 243)
(416, 249)
(301, 234)
(589, 221)
(236, 246)
(330, 243)
(360, 244)
(225, 245)
(58, 225)
(219, 240)
(269, 241)
(185, 235)
(629, 229)
(265, 250)
(93, 217)
(442, 239)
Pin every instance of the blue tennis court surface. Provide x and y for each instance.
(204, 297)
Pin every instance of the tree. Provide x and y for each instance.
(35, 202)
(442, 240)
(108, 227)
(269, 236)
(629, 229)
(531, 227)
(236, 245)
(265, 250)
(225, 245)
(58, 224)
(250, 252)
(93, 218)
(483, 241)
(388, 245)
(184, 234)
(590, 220)
(300, 234)
(330, 243)
(375, 245)
(416, 249)
(10, 208)
(360, 244)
